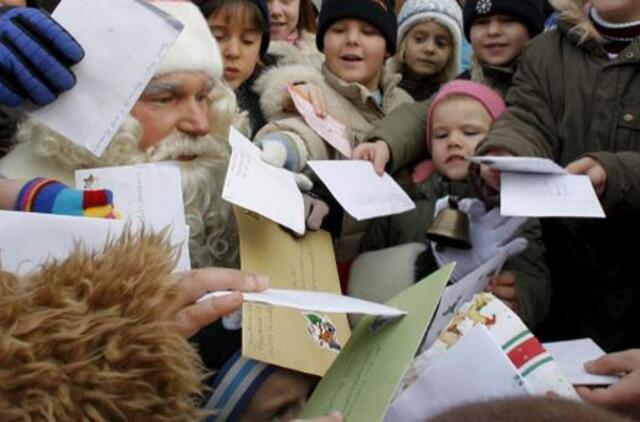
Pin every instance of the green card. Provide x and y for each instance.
(364, 377)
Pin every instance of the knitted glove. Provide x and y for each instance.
(49, 196)
(490, 234)
(282, 149)
(35, 55)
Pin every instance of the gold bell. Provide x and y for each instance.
(451, 227)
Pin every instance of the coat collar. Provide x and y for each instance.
(359, 94)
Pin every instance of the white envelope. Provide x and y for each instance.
(474, 369)
(120, 59)
(262, 188)
(307, 300)
(359, 190)
(146, 194)
(571, 356)
(548, 195)
(520, 164)
(29, 239)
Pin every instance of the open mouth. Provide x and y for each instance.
(455, 159)
(187, 157)
(277, 25)
(352, 58)
(496, 46)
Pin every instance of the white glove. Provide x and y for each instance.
(284, 149)
(489, 232)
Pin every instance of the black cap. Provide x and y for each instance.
(378, 13)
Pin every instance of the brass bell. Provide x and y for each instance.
(451, 227)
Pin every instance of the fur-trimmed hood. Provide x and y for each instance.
(304, 52)
(87, 339)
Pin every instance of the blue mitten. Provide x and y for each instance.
(35, 56)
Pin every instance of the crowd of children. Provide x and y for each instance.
(391, 73)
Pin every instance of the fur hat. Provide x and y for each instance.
(195, 49)
(87, 338)
(378, 13)
(491, 100)
(528, 12)
(207, 7)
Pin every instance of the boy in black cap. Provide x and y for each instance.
(356, 37)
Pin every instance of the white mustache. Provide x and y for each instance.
(180, 145)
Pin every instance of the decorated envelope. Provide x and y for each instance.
(328, 128)
(148, 195)
(535, 367)
(473, 369)
(301, 340)
(458, 294)
(364, 377)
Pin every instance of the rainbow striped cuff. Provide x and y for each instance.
(52, 197)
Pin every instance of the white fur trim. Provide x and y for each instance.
(195, 49)
(272, 84)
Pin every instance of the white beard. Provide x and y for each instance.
(213, 233)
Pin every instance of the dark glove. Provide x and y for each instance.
(35, 56)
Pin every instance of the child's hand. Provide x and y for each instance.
(625, 394)
(377, 152)
(490, 176)
(309, 92)
(590, 167)
(503, 286)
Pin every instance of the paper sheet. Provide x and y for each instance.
(259, 187)
(520, 164)
(328, 128)
(548, 195)
(300, 340)
(571, 356)
(120, 59)
(362, 381)
(146, 194)
(27, 240)
(316, 301)
(457, 294)
(474, 369)
(360, 191)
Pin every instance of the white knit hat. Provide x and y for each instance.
(195, 49)
(445, 12)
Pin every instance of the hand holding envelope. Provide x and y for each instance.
(538, 187)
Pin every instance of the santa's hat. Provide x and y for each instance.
(195, 49)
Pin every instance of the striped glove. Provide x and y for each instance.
(50, 196)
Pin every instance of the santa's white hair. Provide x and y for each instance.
(213, 233)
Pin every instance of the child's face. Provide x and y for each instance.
(498, 40)
(459, 123)
(428, 48)
(239, 43)
(284, 16)
(355, 51)
(618, 11)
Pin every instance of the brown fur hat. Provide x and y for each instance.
(86, 339)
